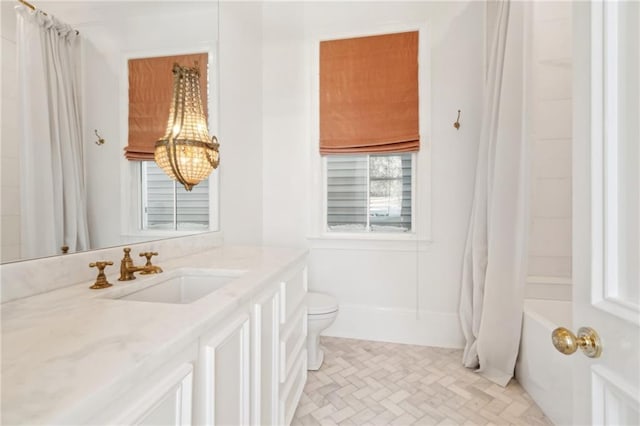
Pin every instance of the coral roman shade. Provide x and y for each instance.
(369, 94)
(150, 93)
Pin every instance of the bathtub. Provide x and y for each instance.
(541, 370)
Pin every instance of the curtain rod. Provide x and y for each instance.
(29, 5)
(32, 7)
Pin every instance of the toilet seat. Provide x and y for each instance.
(319, 303)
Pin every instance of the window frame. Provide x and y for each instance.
(144, 196)
(131, 171)
(420, 233)
(367, 230)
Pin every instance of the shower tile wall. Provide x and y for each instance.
(551, 105)
(9, 143)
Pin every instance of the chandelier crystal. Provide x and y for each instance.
(185, 153)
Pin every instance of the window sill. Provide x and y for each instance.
(147, 235)
(355, 241)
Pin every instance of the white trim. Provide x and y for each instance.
(609, 391)
(161, 234)
(610, 148)
(287, 410)
(242, 325)
(539, 279)
(271, 297)
(298, 322)
(548, 288)
(421, 164)
(256, 361)
(178, 382)
(370, 242)
(620, 308)
(398, 325)
(130, 185)
(604, 185)
(597, 112)
(275, 355)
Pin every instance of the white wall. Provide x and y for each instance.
(387, 290)
(241, 122)
(9, 141)
(551, 108)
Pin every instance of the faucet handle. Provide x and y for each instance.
(148, 255)
(148, 268)
(101, 280)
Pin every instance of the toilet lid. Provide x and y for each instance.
(320, 303)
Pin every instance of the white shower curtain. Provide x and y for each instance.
(53, 199)
(495, 254)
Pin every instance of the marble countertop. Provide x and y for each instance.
(63, 348)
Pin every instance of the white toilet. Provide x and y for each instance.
(322, 310)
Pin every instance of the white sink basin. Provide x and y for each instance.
(182, 286)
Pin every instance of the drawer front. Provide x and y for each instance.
(293, 339)
(292, 389)
(292, 293)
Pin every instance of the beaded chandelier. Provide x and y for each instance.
(185, 153)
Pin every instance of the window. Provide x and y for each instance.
(369, 130)
(163, 206)
(369, 193)
(166, 205)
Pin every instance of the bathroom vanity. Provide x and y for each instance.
(124, 355)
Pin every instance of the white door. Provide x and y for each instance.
(606, 208)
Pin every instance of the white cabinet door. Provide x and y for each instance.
(266, 328)
(606, 209)
(167, 403)
(226, 356)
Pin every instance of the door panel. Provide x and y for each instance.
(614, 405)
(168, 402)
(266, 320)
(227, 359)
(605, 217)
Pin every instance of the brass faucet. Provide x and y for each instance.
(101, 280)
(127, 268)
(148, 267)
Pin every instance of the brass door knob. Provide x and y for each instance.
(567, 343)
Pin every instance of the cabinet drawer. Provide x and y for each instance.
(292, 293)
(292, 389)
(293, 338)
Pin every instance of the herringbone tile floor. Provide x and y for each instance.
(374, 383)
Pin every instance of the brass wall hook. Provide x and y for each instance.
(457, 123)
(100, 140)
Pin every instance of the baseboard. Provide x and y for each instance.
(428, 328)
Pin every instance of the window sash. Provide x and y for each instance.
(168, 206)
(350, 205)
